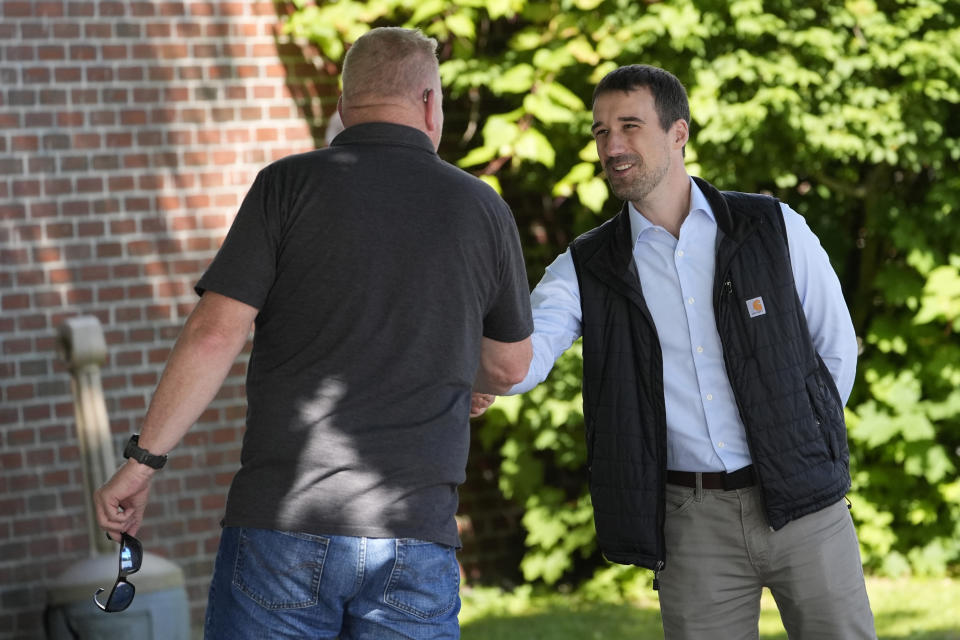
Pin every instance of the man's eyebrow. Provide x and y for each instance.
(620, 119)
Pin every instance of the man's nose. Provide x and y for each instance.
(614, 145)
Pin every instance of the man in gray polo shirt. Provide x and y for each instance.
(385, 284)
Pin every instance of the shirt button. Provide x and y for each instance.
(690, 300)
(721, 444)
(709, 396)
(680, 253)
(699, 349)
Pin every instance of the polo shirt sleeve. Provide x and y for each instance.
(508, 317)
(245, 266)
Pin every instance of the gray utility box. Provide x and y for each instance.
(158, 612)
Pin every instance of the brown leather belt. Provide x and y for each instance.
(714, 479)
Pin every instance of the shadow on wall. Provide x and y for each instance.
(308, 78)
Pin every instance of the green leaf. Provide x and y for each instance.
(545, 110)
(580, 172)
(941, 297)
(493, 182)
(479, 155)
(427, 9)
(593, 194)
(461, 25)
(533, 145)
(517, 79)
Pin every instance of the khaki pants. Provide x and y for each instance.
(721, 553)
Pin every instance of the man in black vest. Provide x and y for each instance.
(718, 355)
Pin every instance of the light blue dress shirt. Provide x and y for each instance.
(704, 429)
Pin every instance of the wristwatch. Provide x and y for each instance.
(133, 450)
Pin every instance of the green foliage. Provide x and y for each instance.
(845, 110)
(928, 612)
(544, 458)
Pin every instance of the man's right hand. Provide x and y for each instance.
(122, 500)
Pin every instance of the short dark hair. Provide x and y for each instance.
(669, 96)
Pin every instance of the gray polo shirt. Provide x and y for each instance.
(376, 268)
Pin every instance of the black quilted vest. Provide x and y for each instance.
(786, 397)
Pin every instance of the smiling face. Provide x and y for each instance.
(635, 151)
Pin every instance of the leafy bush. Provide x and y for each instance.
(847, 111)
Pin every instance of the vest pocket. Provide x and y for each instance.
(590, 435)
(819, 406)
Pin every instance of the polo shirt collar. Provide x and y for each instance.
(384, 133)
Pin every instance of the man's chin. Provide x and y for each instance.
(623, 192)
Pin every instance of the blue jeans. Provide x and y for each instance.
(277, 584)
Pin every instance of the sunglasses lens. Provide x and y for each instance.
(131, 555)
(121, 597)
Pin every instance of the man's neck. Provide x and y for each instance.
(381, 113)
(668, 205)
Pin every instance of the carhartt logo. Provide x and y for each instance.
(755, 307)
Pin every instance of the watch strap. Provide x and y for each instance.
(141, 455)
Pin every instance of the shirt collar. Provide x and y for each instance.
(384, 133)
(639, 224)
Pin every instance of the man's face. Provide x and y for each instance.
(634, 149)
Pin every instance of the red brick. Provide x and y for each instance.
(83, 52)
(127, 271)
(38, 457)
(47, 254)
(32, 322)
(76, 208)
(15, 301)
(168, 203)
(110, 294)
(143, 9)
(130, 74)
(133, 117)
(95, 228)
(79, 296)
(159, 30)
(11, 460)
(60, 276)
(47, 299)
(74, 74)
(59, 230)
(111, 8)
(70, 119)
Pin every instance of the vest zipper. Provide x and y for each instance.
(656, 575)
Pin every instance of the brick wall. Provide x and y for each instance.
(129, 132)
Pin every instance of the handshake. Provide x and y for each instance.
(479, 402)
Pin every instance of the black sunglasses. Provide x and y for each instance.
(131, 556)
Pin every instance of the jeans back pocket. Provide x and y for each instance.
(279, 569)
(425, 581)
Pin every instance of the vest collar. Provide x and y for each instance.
(736, 227)
(612, 258)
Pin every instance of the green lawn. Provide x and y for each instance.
(915, 609)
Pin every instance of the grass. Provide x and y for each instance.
(914, 609)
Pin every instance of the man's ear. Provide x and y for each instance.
(681, 133)
(429, 105)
